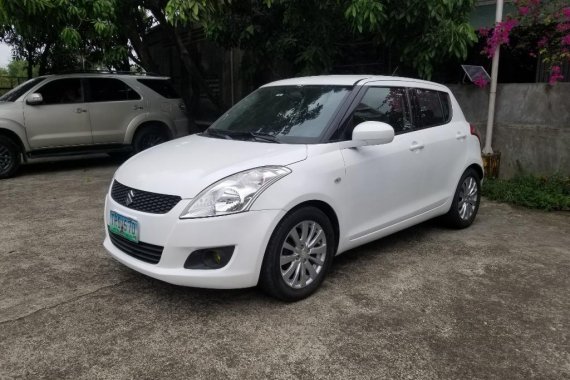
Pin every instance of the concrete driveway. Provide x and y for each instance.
(492, 301)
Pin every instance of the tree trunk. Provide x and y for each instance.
(188, 63)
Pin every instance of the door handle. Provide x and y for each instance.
(416, 146)
(460, 136)
(80, 110)
(137, 107)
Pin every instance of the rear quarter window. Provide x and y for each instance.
(161, 86)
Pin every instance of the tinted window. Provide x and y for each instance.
(446, 104)
(62, 91)
(110, 90)
(429, 111)
(388, 105)
(295, 114)
(20, 90)
(161, 86)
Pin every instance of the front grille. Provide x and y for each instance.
(143, 251)
(144, 201)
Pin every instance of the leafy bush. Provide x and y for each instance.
(546, 193)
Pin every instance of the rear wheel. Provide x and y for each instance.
(465, 201)
(149, 136)
(10, 157)
(298, 255)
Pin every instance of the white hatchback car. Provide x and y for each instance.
(299, 171)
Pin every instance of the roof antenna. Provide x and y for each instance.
(397, 67)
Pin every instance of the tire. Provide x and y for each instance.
(10, 157)
(149, 136)
(464, 209)
(285, 281)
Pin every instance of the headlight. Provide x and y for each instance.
(235, 193)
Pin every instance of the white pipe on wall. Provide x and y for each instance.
(493, 93)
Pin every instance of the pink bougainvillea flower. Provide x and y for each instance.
(480, 81)
(542, 42)
(555, 75)
(499, 36)
(566, 40)
(524, 11)
(566, 12)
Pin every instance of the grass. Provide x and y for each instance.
(545, 193)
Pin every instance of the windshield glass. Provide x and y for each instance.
(289, 114)
(20, 90)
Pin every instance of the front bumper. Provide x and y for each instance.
(249, 232)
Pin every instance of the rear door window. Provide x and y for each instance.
(161, 86)
(110, 90)
(428, 108)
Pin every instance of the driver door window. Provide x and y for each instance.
(62, 91)
(386, 104)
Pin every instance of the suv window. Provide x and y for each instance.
(110, 90)
(428, 108)
(386, 104)
(62, 91)
(161, 86)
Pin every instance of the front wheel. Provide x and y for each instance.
(465, 201)
(298, 255)
(10, 157)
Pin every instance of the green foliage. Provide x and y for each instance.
(546, 193)
(309, 33)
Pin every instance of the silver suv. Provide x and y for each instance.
(85, 113)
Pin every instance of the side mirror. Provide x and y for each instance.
(34, 99)
(372, 133)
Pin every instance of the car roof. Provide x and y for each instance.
(348, 80)
(104, 75)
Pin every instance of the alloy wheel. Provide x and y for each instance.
(468, 195)
(303, 254)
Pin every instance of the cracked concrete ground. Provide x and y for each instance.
(492, 301)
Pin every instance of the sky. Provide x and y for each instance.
(5, 54)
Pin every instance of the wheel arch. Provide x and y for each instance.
(329, 212)
(15, 137)
(137, 125)
(478, 169)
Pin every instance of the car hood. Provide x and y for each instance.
(188, 165)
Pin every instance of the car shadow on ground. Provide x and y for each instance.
(63, 164)
(341, 268)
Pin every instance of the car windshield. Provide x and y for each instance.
(20, 90)
(282, 114)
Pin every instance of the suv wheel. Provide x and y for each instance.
(149, 136)
(465, 201)
(298, 255)
(10, 157)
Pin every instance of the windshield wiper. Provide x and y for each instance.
(217, 133)
(264, 137)
(232, 135)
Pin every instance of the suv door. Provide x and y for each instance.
(62, 119)
(383, 180)
(444, 143)
(113, 104)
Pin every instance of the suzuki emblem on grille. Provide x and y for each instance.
(130, 197)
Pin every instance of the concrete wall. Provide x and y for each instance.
(532, 125)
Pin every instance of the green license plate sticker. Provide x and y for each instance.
(123, 226)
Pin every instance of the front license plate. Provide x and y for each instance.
(123, 226)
